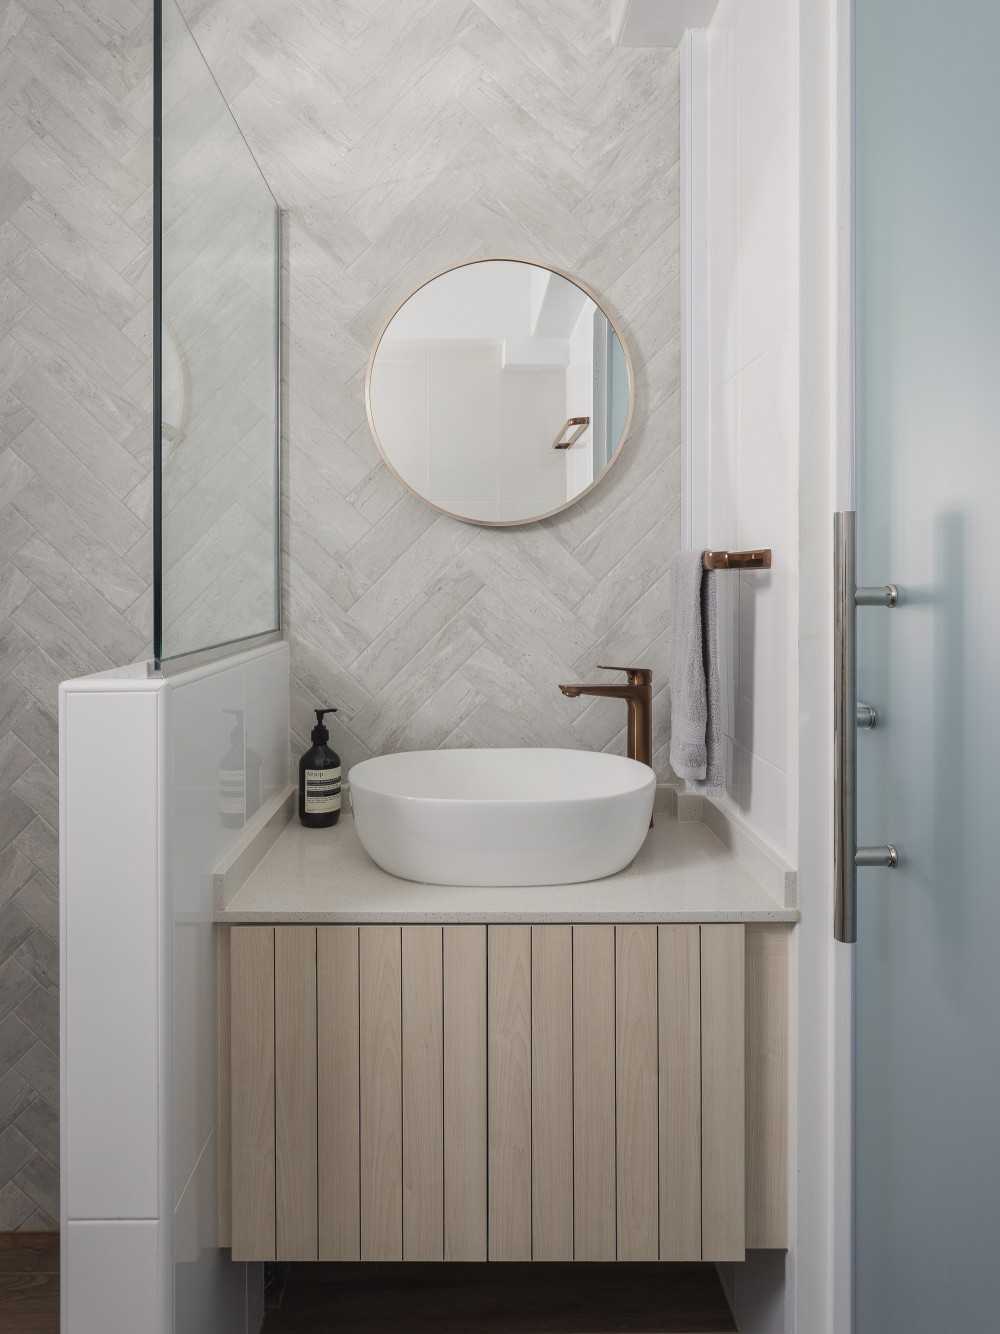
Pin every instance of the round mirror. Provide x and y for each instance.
(500, 392)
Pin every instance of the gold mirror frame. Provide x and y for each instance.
(629, 370)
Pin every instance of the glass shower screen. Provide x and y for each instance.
(216, 364)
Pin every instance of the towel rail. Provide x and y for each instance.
(758, 559)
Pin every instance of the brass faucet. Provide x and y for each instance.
(638, 694)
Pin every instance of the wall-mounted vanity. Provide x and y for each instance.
(590, 1072)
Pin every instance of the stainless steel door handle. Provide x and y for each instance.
(847, 717)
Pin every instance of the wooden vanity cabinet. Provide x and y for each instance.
(503, 1092)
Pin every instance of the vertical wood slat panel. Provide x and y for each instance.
(636, 1082)
(381, 1094)
(252, 1090)
(423, 1106)
(680, 1092)
(509, 1084)
(723, 1096)
(594, 1093)
(552, 1092)
(767, 1086)
(223, 1101)
(297, 1201)
(465, 1148)
(339, 1074)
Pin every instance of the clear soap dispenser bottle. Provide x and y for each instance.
(319, 779)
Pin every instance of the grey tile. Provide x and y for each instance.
(15, 870)
(55, 238)
(39, 1180)
(15, 1095)
(103, 512)
(75, 287)
(13, 304)
(14, 588)
(14, 190)
(76, 144)
(69, 648)
(39, 1124)
(15, 475)
(40, 1011)
(38, 788)
(40, 677)
(15, 1152)
(41, 847)
(67, 400)
(39, 1067)
(16, 1040)
(15, 1207)
(11, 699)
(82, 207)
(495, 127)
(16, 985)
(93, 558)
(15, 757)
(76, 597)
(40, 900)
(14, 816)
(39, 954)
(35, 724)
(15, 645)
(14, 530)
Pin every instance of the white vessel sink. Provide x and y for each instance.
(502, 817)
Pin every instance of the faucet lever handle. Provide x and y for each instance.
(637, 676)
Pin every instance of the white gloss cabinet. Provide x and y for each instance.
(504, 1092)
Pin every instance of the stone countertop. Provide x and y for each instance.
(683, 873)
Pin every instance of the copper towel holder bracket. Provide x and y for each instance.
(571, 432)
(758, 559)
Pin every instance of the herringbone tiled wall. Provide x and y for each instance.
(75, 111)
(404, 138)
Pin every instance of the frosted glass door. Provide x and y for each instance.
(928, 441)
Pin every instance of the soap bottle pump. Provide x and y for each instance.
(319, 779)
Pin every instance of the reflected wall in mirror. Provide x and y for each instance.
(500, 392)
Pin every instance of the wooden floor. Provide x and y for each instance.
(452, 1299)
(29, 1282)
(501, 1299)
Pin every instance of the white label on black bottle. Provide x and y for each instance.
(322, 793)
(232, 792)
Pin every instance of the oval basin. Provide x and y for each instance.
(502, 817)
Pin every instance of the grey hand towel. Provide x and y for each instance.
(695, 693)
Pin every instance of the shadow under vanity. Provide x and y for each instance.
(588, 1072)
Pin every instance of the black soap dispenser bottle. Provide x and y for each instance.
(319, 779)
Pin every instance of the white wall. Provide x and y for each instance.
(772, 121)
(751, 429)
(144, 820)
(439, 141)
(476, 301)
(471, 434)
(761, 343)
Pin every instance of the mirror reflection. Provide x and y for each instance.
(500, 392)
